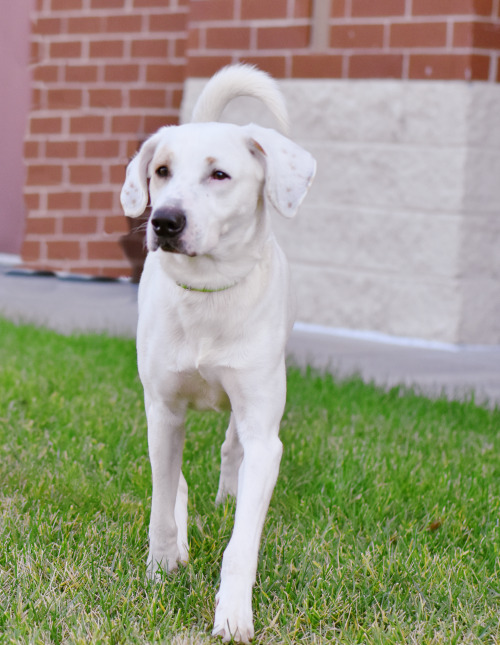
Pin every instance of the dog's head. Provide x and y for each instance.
(209, 184)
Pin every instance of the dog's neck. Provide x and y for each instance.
(214, 273)
(207, 274)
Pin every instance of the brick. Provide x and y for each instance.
(375, 66)
(61, 149)
(43, 175)
(31, 250)
(132, 147)
(262, 9)
(109, 250)
(65, 49)
(85, 174)
(317, 66)
(176, 97)
(449, 67)
(201, 10)
(148, 98)
(31, 149)
(40, 226)
(117, 175)
(205, 66)
(64, 201)
(106, 49)
(64, 99)
(66, 5)
(148, 3)
(121, 73)
(107, 4)
(180, 47)
(165, 73)
(85, 25)
(80, 73)
(63, 250)
(463, 34)
(356, 36)
(486, 35)
(167, 22)
(378, 8)
(101, 200)
(35, 52)
(451, 7)
(152, 122)
(303, 8)
(45, 125)
(102, 148)
(338, 9)
(228, 38)
(32, 201)
(274, 65)
(47, 26)
(282, 37)
(194, 38)
(105, 98)
(125, 23)
(79, 225)
(86, 124)
(115, 224)
(150, 48)
(36, 99)
(125, 124)
(418, 34)
(46, 73)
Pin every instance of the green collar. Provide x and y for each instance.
(204, 290)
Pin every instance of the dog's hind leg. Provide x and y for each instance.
(231, 457)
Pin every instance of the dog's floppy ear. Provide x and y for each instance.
(289, 168)
(134, 195)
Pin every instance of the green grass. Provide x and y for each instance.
(384, 526)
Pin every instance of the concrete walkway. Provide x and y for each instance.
(70, 305)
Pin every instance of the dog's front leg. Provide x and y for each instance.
(257, 416)
(168, 523)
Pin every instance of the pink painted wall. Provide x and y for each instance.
(14, 106)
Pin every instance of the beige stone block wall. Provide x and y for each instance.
(400, 233)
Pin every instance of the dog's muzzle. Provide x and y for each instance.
(168, 225)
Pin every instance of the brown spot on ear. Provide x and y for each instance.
(257, 145)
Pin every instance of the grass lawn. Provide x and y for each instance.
(384, 526)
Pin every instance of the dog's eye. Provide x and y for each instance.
(219, 175)
(162, 171)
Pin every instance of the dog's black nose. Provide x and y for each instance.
(168, 222)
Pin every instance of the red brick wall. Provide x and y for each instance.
(106, 73)
(409, 39)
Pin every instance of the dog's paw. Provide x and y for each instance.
(233, 618)
(227, 488)
(159, 564)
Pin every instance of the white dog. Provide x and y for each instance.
(215, 312)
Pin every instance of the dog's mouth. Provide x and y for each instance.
(168, 246)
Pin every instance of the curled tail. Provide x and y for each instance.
(240, 80)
